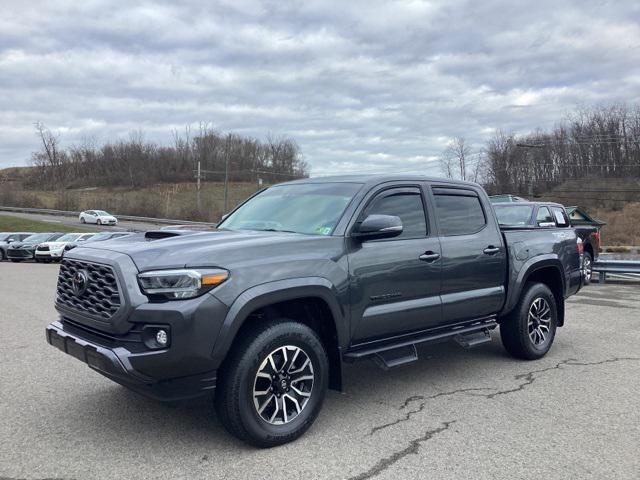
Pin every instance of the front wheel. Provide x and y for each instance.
(273, 383)
(99, 222)
(528, 331)
(82, 220)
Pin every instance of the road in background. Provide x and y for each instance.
(454, 414)
(123, 225)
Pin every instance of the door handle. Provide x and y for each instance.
(491, 250)
(429, 256)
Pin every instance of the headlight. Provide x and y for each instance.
(180, 284)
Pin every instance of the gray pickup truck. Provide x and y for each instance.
(302, 277)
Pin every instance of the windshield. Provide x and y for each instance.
(98, 237)
(69, 237)
(4, 236)
(102, 213)
(513, 214)
(308, 208)
(38, 237)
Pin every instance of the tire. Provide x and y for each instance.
(2, 255)
(15, 261)
(82, 220)
(530, 337)
(99, 222)
(587, 268)
(242, 389)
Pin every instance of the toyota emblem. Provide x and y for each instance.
(80, 282)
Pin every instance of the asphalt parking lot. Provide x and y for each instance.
(454, 414)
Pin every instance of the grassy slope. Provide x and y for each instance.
(176, 201)
(9, 223)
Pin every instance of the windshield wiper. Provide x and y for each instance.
(274, 230)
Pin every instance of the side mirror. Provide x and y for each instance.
(378, 226)
(224, 216)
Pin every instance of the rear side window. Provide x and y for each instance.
(404, 203)
(544, 217)
(459, 214)
(560, 216)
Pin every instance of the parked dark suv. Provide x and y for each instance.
(7, 238)
(302, 277)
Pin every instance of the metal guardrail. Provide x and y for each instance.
(604, 267)
(48, 211)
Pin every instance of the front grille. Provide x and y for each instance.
(101, 297)
(43, 249)
(19, 253)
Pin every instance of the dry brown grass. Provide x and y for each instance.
(623, 226)
(176, 201)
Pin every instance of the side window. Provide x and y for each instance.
(405, 203)
(459, 214)
(560, 216)
(544, 217)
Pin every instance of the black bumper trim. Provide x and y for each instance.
(117, 368)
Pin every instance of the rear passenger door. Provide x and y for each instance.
(474, 265)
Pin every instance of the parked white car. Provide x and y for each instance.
(99, 217)
(48, 251)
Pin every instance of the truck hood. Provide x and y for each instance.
(221, 248)
(23, 244)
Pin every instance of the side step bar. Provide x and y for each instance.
(403, 350)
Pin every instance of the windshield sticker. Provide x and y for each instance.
(323, 230)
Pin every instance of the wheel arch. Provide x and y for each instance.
(312, 301)
(547, 271)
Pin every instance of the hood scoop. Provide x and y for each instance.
(160, 234)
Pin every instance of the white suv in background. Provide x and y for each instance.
(99, 217)
(48, 251)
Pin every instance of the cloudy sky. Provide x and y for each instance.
(362, 86)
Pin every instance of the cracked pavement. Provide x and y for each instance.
(453, 414)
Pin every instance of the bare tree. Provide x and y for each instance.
(453, 160)
(50, 159)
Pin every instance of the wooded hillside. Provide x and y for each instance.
(591, 143)
(138, 163)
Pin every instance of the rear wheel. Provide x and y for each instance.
(529, 330)
(82, 220)
(587, 268)
(273, 383)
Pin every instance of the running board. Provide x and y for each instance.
(403, 349)
(471, 340)
(396, 357)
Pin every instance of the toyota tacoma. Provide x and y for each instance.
(304, 276)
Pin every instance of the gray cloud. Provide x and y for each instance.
(361, 85)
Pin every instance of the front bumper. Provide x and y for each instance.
(49, 253)
(115, 363)
(20, 253)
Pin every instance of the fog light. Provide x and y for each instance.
(162, 338)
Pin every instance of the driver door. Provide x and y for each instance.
(395, 288)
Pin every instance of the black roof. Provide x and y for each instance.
(532, 204)
(375, 179)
